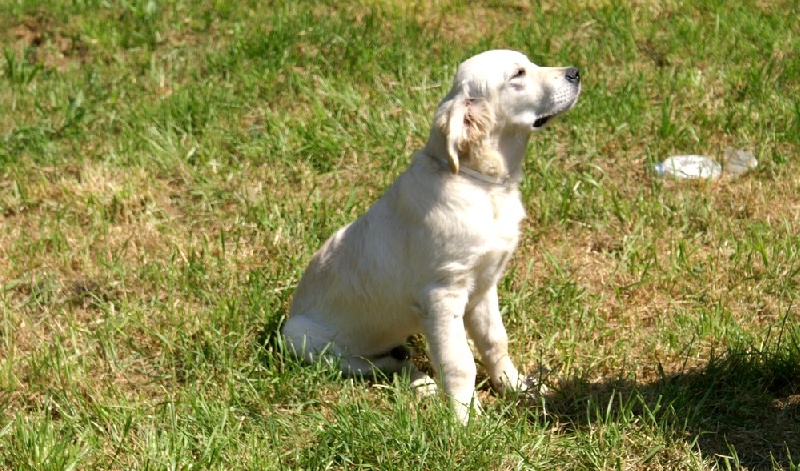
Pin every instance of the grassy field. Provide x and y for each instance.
(167, 169)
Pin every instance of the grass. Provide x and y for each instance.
(167, 169)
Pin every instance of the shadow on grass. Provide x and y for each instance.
(742, 408)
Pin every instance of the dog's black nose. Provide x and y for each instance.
(573, 75)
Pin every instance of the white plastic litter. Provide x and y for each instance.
(689, 166)
(737, 162)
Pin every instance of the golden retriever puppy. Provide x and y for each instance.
(428, 255)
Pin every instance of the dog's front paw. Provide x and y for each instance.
(464, 410)
(526, 387)
(532, 386)
(509, 381)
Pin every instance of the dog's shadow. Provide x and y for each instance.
(742, 408)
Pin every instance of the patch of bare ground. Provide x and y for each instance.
(49, 43)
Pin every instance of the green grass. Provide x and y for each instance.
(167, 169)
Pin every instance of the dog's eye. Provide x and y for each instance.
(519, 73)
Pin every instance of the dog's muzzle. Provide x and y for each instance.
(573, 77)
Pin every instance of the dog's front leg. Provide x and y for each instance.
(450, 355)
(485, 327)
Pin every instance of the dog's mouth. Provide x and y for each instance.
(540, 122)
(563, 107)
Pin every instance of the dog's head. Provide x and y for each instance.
(500, 94)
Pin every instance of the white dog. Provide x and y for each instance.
(428, 255)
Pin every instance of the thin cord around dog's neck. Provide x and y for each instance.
(475, 175)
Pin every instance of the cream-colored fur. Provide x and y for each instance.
(428, 255)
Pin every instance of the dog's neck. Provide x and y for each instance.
(499, 158)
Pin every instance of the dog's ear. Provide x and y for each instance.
(463, 122)
(454, 126)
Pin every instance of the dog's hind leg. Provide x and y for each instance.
(395, 361)
(309, 341)
(306, 339)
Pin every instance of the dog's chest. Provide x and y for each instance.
(496, 237)
(501, 227)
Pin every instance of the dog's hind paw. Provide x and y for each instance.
(422, 384)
